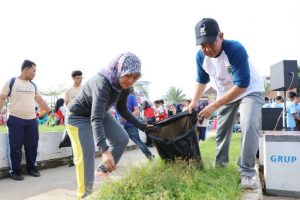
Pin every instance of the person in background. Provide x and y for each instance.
(42, 113)
(278, 103)
(267, 103)
(22, 124)
(239, 87)
(172, 110)
(70, 94)
(292, 115)
(73, 91)
(149, 116)
(52, 120)
(3, 116)
(60, 111)
(297, 106)
(202, 122)
(89, 116)
(132, 131)
(179, 107)
(186, 105)
(161, 113)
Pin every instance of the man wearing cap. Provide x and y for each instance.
(239, 87)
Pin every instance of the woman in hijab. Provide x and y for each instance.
(89, 116)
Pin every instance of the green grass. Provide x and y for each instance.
(42, 128)
(163, 181)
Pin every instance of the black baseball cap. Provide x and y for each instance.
(206, 31)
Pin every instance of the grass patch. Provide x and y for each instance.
(3, 129)
(163, 181)
(42, 128)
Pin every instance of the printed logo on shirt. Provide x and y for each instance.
(25, 89)
(229, 69)
(226, 81)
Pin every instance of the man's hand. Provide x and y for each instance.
(108, 161)
(192, 106)
(208, 111)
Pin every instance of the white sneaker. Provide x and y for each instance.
(248, 183)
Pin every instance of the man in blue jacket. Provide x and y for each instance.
(239, 87)
(132, 131)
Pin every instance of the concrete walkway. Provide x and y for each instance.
(60, 182)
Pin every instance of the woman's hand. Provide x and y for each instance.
(108, 161)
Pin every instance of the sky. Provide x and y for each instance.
(65, 35)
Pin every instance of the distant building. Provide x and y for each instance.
(210, 95)
(141, 89)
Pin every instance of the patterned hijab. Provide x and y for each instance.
(124, 64)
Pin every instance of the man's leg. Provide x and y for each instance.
(133, 134)
(250, 117)
(15, 136)
(31, 138)
(225, 119)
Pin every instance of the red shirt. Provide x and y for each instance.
(60, 116)
(149, 112)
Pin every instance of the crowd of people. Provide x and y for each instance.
(292, 109)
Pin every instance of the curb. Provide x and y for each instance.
(254, 194)
(47, 164)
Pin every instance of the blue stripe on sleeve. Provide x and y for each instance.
(202, 76)
(238, 58)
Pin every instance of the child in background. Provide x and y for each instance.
(52, 119)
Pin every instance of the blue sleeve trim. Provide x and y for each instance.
(202, 75)
(238, 58)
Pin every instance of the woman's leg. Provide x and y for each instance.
(116, 135)
(81, 136)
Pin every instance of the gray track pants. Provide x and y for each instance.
(80, 131)
(250, 119)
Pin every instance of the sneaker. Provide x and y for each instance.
(16, 176)
(248, 183)
(34, 173)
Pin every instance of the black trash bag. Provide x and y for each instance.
(65, 140)
(176, 138)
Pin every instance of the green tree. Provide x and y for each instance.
(53, 93)
(267, 87)
(174, 95)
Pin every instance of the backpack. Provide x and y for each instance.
(12, 82)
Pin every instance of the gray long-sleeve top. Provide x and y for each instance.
(95, 99)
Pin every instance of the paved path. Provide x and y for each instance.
(60, 182)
